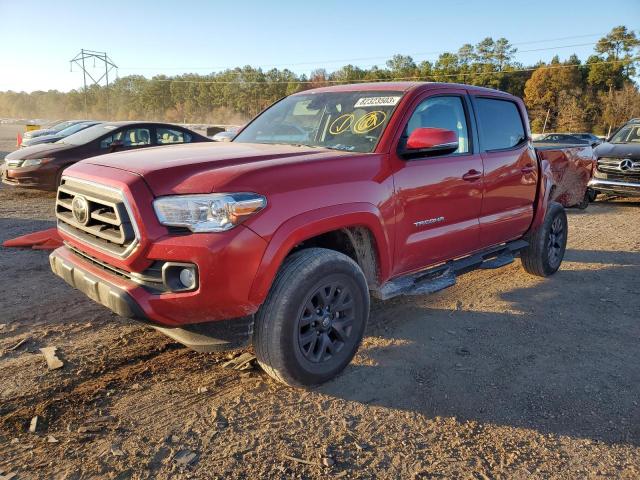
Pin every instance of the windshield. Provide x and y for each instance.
(61, 126)
(627, 134)
(87, 135)
(74, 128)
(352, 121)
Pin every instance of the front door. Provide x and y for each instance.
(438, 197)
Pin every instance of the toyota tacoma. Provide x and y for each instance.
(331, 195)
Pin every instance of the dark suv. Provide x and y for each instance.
(618, 169)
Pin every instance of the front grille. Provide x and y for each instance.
(620, 177)
(619, 166)
(96, 215)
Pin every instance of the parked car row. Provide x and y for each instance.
(41, 165)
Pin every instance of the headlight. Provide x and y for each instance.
(215, 212)
(33, 162)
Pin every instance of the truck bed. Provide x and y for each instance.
(572, 167)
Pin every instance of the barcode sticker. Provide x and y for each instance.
(376, 102)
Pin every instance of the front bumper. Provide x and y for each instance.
(615, 186)
(109, 294)
(116, 293)
(39, 177)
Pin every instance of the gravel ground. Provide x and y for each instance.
(502, 376)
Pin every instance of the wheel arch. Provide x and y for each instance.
(546, 186)
(353, 229)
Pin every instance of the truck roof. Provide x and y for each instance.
(399, 86)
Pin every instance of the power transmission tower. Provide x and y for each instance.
(79, 60)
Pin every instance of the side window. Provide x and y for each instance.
(500, 123)
(166, 136)
(442, 112)
(106, 142)
(135, 137)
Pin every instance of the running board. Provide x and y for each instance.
(443, 276)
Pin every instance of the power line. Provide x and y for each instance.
(415, 54)
(414, 78)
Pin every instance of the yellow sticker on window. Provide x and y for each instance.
(370, 121)
(341, 124)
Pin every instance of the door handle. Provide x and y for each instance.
(472, 175)
(528, 169)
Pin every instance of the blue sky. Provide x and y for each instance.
(38, 38)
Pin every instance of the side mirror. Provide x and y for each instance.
(425, 142)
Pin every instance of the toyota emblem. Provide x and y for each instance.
(80, 210)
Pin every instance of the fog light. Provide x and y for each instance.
(180, 277)
(188, 278)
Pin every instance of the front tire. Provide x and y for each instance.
(547, 243)
(312, 322)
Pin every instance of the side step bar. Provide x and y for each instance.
(443, 276)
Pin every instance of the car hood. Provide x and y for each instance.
(619, 150)
(38, 151)
(205, 167)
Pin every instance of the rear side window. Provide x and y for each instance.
(500, 124)
(170, 135)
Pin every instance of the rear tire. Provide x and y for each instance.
(312, 322)
(547, 243)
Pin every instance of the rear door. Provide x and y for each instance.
(438, 197)
(510, 170)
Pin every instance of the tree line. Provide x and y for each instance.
(569, 95)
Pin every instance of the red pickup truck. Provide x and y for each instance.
(328, 196)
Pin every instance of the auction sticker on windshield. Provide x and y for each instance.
(376, 102)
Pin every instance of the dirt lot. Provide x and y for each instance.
(503, 375)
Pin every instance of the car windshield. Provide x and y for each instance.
(73, 129)
(627, 134)
(87, 135)
(351, 121)
(61, 126)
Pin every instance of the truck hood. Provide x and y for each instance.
(619, 150)
(207, 167)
